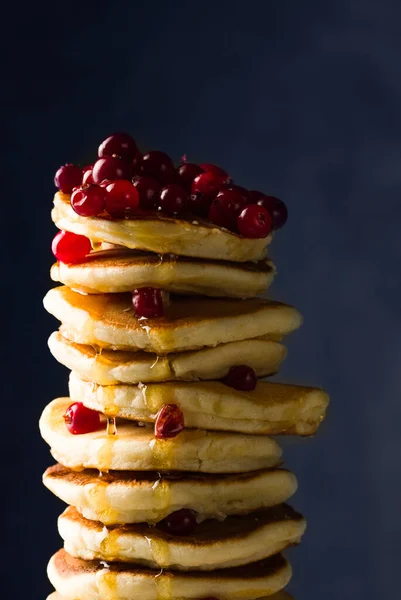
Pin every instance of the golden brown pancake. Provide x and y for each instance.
(123, 270)
(278, 596)
(93, 580)
(216, 544)
(136, 448)
(109, 321)
(163, 235)
(270, 409)
(108, 367)
(120, 497)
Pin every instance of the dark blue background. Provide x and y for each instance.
(300, 99)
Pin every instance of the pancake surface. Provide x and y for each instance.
(270, 409)
(135, 448)
(121, 497)
(108, 367)
(121, 270)
(162, 235)
(108, 321)
(236, 541)
(278, 596)
(92, 580)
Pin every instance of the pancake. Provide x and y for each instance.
(270, 409)
(120, 497)
(122, 270)
(135, 448)
(163, 235)
(109, 321)
(278, 596)
(108, 367)
(236, 541)
(94, 580)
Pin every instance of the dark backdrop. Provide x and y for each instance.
(301, 99)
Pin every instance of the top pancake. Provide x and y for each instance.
(123, 270)
(108, 321)
(161, 234)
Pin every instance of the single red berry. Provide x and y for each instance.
(241, 191)
(149, 191)
(148, 302)
(136, 162)
(122, 199)
(80, 419)
(68, 177)
(208, 184)
(157, 165)
(169, 422)
(120, 144)
(111, 167)
(226, 208)
(87, 174)
(277, 210)
(88, 200)
(69, 247)
(254, 222)
(241, 378)
(218, 171)
(180, 523)
(173, 199)
(186, 173)
(199, 204)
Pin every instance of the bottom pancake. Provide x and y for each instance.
(93, 580)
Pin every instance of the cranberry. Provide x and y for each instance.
(254, 222)
(122, 198)
(199, 204)
(169, 422)
(87, 174)
(68, 177)
(148, 302)
(226, 208)
(136, 162)
(111, 167)
(69, 247)
(181, 522)
(276, 208)
(241, 191)
(149, 191)
(120, 144)
(208, 184)
(157, 165)
(79, 419)
(186, 173)
(241, 378)
(218, 171)
(88, 200)
(173, 199)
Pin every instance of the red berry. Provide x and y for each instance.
(157, 165)
(87, 175)
(241, 378)
(199, 204)
(226, 208)
(122, 199)
(68, 177)
(79, 419)
(111, 167)
(69, 247)
(255, 196)
(169, 422)
(88, 200)
(208, 184)
(149, 191)
(186, 173)
(218, 171)
(241, 191)
(136, 162)
(181, 522)
(276, 208)
(173, 199)
(254, 222)
(120, 144)
(148, 302)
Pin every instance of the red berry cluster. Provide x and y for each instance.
(123, 183)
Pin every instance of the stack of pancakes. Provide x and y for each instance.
(121, 481)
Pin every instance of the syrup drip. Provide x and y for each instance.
(111, 426)
(164, 586)
(161, 499)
